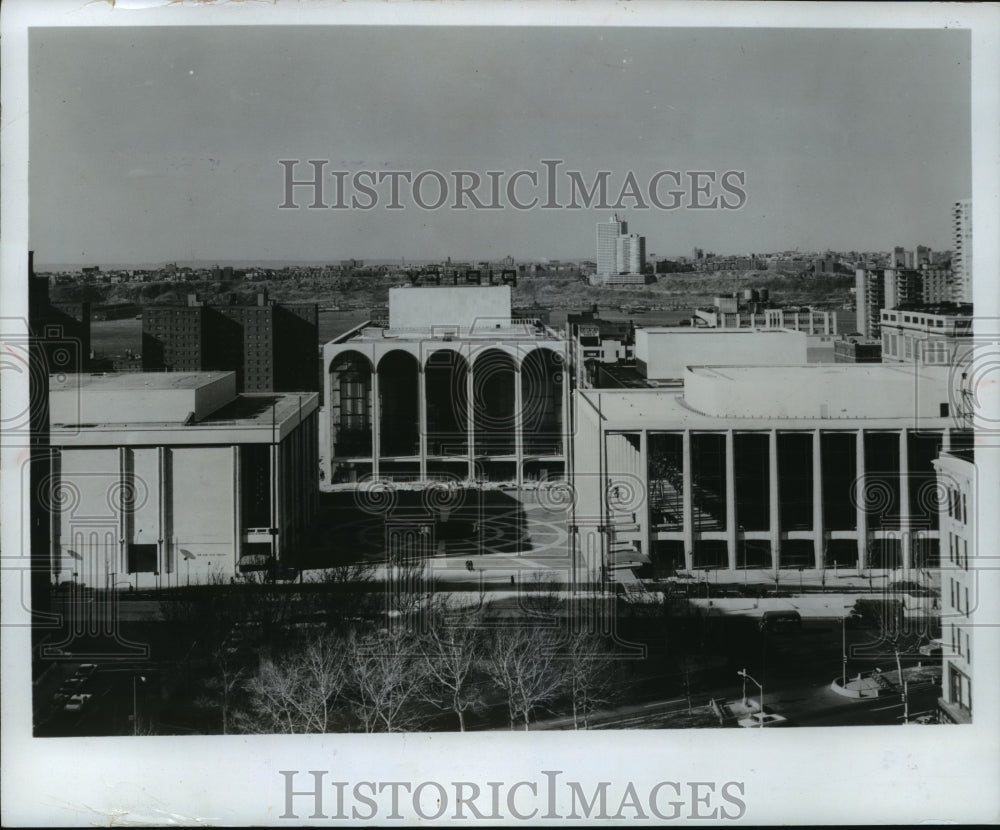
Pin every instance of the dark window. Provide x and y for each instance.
(142, 559)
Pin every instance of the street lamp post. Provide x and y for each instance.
(746, 564)
(843, 649)
(746, 677)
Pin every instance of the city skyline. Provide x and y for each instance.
(815, 123)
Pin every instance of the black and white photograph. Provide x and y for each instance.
(605, 385)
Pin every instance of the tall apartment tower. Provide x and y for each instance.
(271, 347)
(630, 255)
(961, 257)
(869, 296)
(607, 245)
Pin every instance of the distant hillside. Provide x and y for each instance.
(357, 291)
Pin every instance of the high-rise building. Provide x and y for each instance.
(630, 255)
(621, 256)
(607, 245)
(938, 285)
(272, 347)
(902, 286)
(869, 287)
(961, 255)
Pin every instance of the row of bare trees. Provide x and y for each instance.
(405, 677)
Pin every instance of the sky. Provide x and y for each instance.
(162, 144)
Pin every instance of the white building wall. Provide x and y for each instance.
(825, 392)
(202, 485)
(416, 307)
(115, 399)
(667, 352)
(143, 473)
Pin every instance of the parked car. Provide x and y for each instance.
(781, 621)
(77, 702)
(933, 648)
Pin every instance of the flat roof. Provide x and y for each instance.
(261, 413)
(123, 381)
(663, 409)
(651, 408)
(259, 409)
(744, 330)
(796, 372)
(382, 334)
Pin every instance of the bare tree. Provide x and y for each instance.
(347, 594)
(522, 662)
(297, 693)
(408, 589)
(888, 617)
(229, 673)
(386, 679)
(589, 676)
(542, 596)
(449, 650)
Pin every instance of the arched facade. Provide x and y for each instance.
(435, 408)
(399, 405)
(446, 380)
(495, 398)
(349, 400)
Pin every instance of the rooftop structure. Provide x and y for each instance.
(857, 349)
(662, 353)
(935, 334)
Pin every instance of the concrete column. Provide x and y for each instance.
(274, 501)
(376, 411)
(688, 501)
(946, 439)
(905, 542)
(566, 424)
(422, 419)
(237, 508)
(817, 478)
(123, 524)
(55, 515)
(643, 512)
(163, 564)
(859, 454)
(470, 418)
(730, 500)
(775, 516)
(518, 423)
